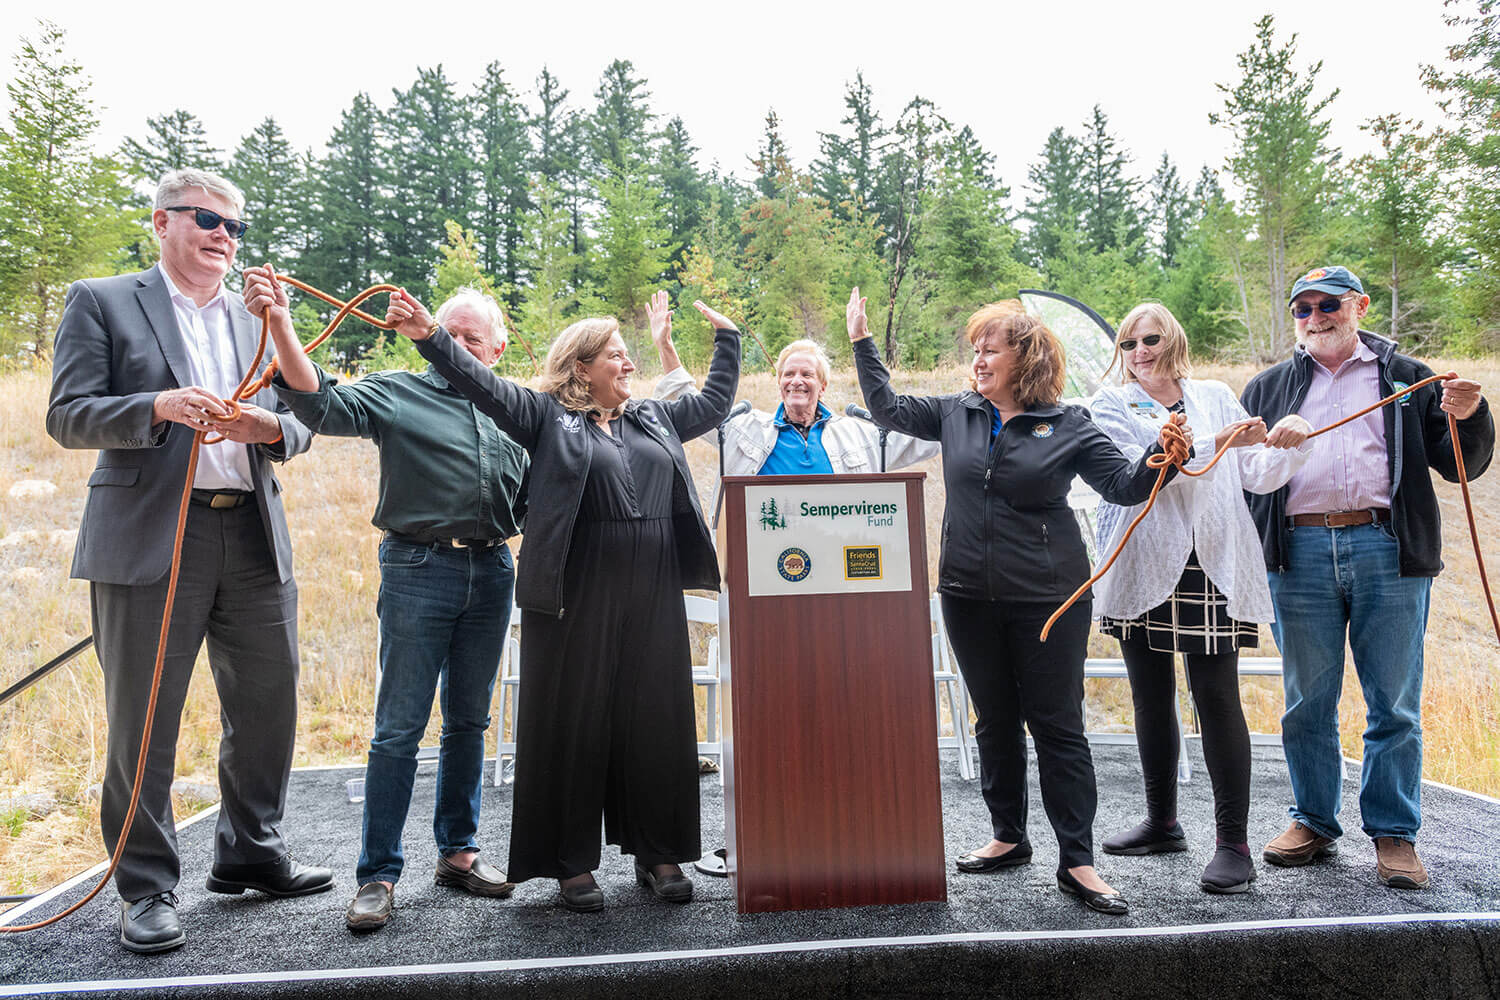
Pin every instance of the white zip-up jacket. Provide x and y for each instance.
(853, 445)
(1207, 512)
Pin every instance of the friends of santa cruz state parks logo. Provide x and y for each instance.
(793, 564)
(1042, 431)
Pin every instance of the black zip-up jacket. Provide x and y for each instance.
(561, 451)
(1008, 532)
(1416, 438)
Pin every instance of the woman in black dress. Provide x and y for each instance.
(614, 534)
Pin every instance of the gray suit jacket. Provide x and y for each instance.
(117, 346)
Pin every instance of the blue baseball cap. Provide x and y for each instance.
(1326, 279)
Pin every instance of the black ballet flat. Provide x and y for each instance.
(977, 864)
(1109, 903)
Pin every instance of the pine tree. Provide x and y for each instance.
(502, 160)
(1056, 203)
(633, 246)
(619, 130)
(906, 175)
(848, 169)
(1280, 160)
(559, 149)
(430, 174)
(683, 186)
(269, 173)
(1110, 216)
(176, 141)
(64, 213)
(1171, 211)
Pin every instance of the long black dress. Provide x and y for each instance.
(606, 721)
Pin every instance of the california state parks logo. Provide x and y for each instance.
(794, 565)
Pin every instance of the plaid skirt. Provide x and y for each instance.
(1194, 619)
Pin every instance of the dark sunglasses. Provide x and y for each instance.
(233, 228)
(1302, 310)
(1150, 340)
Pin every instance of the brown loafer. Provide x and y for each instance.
(1298, 846)
(1397, 864)
(371, 907)
(479, 879)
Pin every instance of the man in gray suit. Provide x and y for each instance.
(141, 362)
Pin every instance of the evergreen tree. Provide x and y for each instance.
(633, 245)
(1401, 200)
(1281, 161)
(559, 145)
(503, 155)
(269, 173)
(1056, 203)
(619, 130)
(63, 211)
(175, 141)
(847, 172)
(683, 186)
(773, 166)
(1171, 211)
(430, 174)
(1469, 92)
(550, 298)
(906, 174)
(1110, 216)
(349, 208)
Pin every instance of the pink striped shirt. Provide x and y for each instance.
(1349, 468)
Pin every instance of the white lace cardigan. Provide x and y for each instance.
(1206, 512)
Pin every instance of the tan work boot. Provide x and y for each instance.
(1299, 845)
(1397, 864)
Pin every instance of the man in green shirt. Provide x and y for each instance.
(452, 490)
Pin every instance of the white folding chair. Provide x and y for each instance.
(706, 675)
(510, 693)
(945, 675)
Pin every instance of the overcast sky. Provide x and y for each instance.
(1011, 71)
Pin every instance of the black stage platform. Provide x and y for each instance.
(1327, 931)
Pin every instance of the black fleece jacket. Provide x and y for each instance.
(561, 451)
(1416, 439)
(1008, 532)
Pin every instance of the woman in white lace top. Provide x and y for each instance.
(1191, 581)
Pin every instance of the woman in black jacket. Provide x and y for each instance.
(1011, 553)
(614, 534)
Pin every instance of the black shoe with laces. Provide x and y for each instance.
(150, 924)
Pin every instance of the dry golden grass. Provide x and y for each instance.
(52, 737)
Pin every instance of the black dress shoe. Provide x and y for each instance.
(1109, 903)
(370, 908)
(674, 888)
(585, 898)
(282, 877)
(479, 879)
(1148, 838)
(978, 863)
(150, 924)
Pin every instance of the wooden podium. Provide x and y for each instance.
(830, 736)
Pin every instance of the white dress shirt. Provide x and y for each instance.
(213, 365)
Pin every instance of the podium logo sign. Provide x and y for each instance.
(862, 562)
(794, 565)
(827, 538)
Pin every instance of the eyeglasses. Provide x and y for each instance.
(1302, 310)
(1150, 340)
(233, 228)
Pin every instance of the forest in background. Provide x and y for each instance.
(566, 204)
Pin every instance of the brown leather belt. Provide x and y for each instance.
(221, 499)
(1340, 518)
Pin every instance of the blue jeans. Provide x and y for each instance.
(1338, 580)
(444, 616)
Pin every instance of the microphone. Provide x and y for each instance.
(739, 409)
(855, 410)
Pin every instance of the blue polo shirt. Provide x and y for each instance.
(794, 455)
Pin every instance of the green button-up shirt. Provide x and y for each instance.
(446, 470)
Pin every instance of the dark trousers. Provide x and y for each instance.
(230, 594)
(1215, 683)
(1013, 679)
(606, 726)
